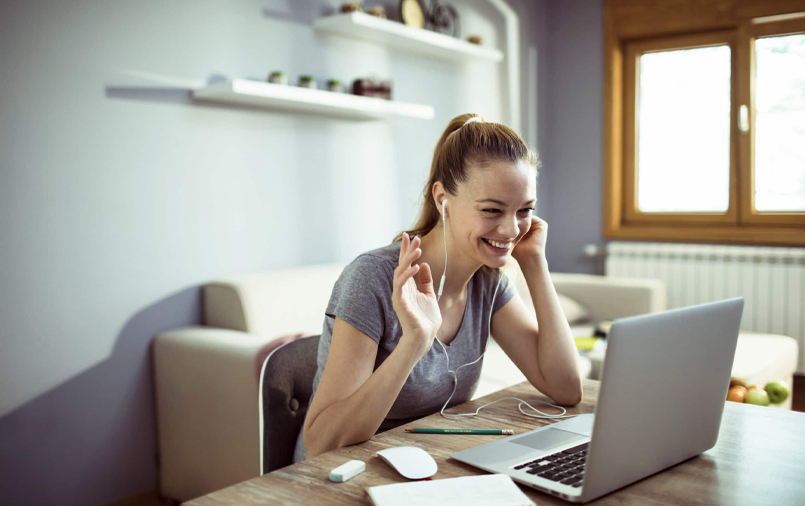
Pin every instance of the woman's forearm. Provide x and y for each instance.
(356, 418)
(556, 350)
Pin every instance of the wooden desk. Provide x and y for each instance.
(759, 459)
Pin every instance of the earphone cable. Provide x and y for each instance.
(455, 378)
(444, 240)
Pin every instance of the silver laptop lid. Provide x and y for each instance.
(663, 390)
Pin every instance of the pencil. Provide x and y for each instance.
(486, 432)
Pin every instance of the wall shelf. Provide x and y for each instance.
(405, 38)
(293, 98)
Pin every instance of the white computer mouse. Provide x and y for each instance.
(411, 462)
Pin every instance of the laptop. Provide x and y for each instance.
(662, 394)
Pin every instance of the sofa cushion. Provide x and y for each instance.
(761, 358)
(574, 312)
(272, 303)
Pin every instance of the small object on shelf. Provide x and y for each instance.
(385, 90)
(278, 77)
(372, 88)
(334, 85)
(307, 82)
(433, 16)
(245, 92)
(377, 11)
(348, 7)
(401, 37)
(475, 39)
(412, 14)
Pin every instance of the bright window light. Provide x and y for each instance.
(683, 154)
(780, 123)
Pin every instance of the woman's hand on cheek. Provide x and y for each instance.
(533, 242)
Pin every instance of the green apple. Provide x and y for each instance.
(759, 397)
(777, 390)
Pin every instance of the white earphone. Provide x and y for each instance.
(488, 333)
(444, 232)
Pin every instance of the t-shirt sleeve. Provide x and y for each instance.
(362, 296)
(505, 291)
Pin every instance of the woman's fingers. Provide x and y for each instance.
(426, 278)
(409, 252)
(413, 255)
(401, 262)
(404, 276)
(409, 273)
(408, 245)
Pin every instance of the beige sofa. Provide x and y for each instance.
(207, 377)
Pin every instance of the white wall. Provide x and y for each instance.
(119, 197)
(110, 188)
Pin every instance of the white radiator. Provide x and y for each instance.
(771, 280)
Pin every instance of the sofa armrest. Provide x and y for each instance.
(207, 409)
(608, 298)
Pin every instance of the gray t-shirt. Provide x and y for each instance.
(362, 298)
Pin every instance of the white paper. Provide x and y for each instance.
(497, 489)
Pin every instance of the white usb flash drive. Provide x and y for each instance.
(347, 471)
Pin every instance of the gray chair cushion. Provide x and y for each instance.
(286, 387)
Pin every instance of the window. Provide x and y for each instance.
(683, 165)
(780, 123)
(705, 123)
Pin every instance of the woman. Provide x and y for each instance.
(379, 365)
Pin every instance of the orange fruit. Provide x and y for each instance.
(736, 394)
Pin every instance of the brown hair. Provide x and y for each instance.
(461, 143)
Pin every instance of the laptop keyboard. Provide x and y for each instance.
(566, 467)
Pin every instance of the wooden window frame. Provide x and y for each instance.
(747, 34)
(631, 67)
(628, 30)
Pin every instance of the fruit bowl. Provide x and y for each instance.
(775, 392)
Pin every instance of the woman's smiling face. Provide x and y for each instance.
(491, 211)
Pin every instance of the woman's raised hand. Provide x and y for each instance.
(418, 311)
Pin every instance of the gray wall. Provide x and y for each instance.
(119, 198)
(571, 122)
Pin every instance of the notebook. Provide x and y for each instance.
(486, 489)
